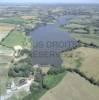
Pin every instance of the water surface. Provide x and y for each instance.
(48, 41)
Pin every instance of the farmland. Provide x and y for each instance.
(3, 77)
(83, 57)
(72, 87)
(13, 20)
(84, 28)
(5, 29)
(18, 39)
(6, 55)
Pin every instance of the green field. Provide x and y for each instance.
(14, 20)
(85, 29)
(14, 38)
(52, 80)
(86, 38)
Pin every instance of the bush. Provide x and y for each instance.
(26, 51)
(56, 70)
(35, 87)
(20, 70)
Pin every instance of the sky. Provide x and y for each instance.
(50, 1)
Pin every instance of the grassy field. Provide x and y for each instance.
(3, 77)
(87, 60)
(14, 20)
(84, 28)
(6, 55)
(72, 87)
(52, 80)
(86, 38)
(19, 38)
(5, 29)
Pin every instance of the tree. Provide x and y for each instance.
(38, 76)
(20, 70)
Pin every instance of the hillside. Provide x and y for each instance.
(84, 59)
(73, 87)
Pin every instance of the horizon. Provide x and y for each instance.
(52, 1)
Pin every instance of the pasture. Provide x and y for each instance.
(72, 87)
(85, 59)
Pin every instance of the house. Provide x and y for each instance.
(44, 68)
(22, 82)
(17, 49)
(36, 66)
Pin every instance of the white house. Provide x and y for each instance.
(17, 49)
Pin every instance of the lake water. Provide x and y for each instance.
(48, 41)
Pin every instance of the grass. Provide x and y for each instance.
(82, 28)
(14, 38)
(52, 80)
(35, 96)
(4, 50)
(6, 55)
(4, 30)
(72, 87)
(86, 59)
(3, 77)
(14, 20)
(78, 61)
(86, 38)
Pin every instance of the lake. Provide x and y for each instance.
(49, 41)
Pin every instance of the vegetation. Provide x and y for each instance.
(56, 70)
(72, 87)
(3, 78)
(37, 88)
(35, 95)
(6, 28)
(85, 29)
(19, 38)
(84, 59)
(14, 20)
(20, 70)
(51, 80)
(40, 87)
(17, 21)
